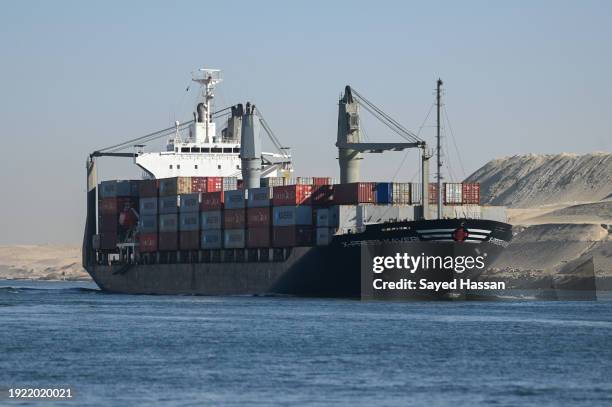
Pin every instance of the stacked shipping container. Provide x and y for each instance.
(117, 212)
(189, 213)
(292, 215)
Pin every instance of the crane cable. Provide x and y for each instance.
(157, 134)
(385, 118)
(271, 134)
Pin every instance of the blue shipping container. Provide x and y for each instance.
(384, 192)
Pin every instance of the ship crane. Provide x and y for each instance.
(351, 147)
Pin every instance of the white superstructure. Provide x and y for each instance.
(204, 152)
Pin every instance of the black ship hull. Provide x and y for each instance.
(334, 270)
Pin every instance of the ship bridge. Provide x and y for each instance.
(196, 149)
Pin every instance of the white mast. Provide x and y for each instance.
(204, 125)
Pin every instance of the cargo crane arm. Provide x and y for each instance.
(352, 96)
(350, 145)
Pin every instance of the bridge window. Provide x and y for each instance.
(216, 150)
(178, 166)
(219, 166)
(184, 149)
(195, 166)
(195, 149)
(227, 150)
(236, 149)
(205, 149)
(170, 166)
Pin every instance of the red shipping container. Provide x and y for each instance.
(322, 195)
(214, 184)
(292, 195)
(291, 236)
(321, 181)
(147, 188)
(189, 240)
(233, 219)
(112, 206)
(354, 193)
(199, 184)
(147, 242)
(471, 193)
(433, 193)
(258, 217)
(258, 237)
(167, 241)
(211, 201)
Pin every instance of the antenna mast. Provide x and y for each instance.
(439, 174)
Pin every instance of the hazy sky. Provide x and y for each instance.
(519, 77)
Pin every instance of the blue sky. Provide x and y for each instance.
(520, 77)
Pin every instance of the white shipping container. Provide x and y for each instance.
(301, 181)
(496, 213)
(291, 215)
(273, 181)
(211, 220)
(401, 193)
(148, 206)
(234, 199)
(415, 193)
(230, 183)
(453, 193)
(456, 212)
(168, 222)
(233, 238)
(211, 239)
(338, 216)
(324, 236)
(373, 214)
(259, 197)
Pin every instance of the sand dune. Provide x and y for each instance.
(527, 181)
(44, 262)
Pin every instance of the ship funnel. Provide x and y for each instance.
(250, 147)
(200, 115)
(348, 132)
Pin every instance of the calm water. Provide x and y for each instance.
(182, 350)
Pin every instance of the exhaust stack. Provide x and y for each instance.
(348, 132)
(250, 148)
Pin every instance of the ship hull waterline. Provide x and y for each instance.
(315, 271)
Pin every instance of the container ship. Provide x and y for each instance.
(216, 215)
